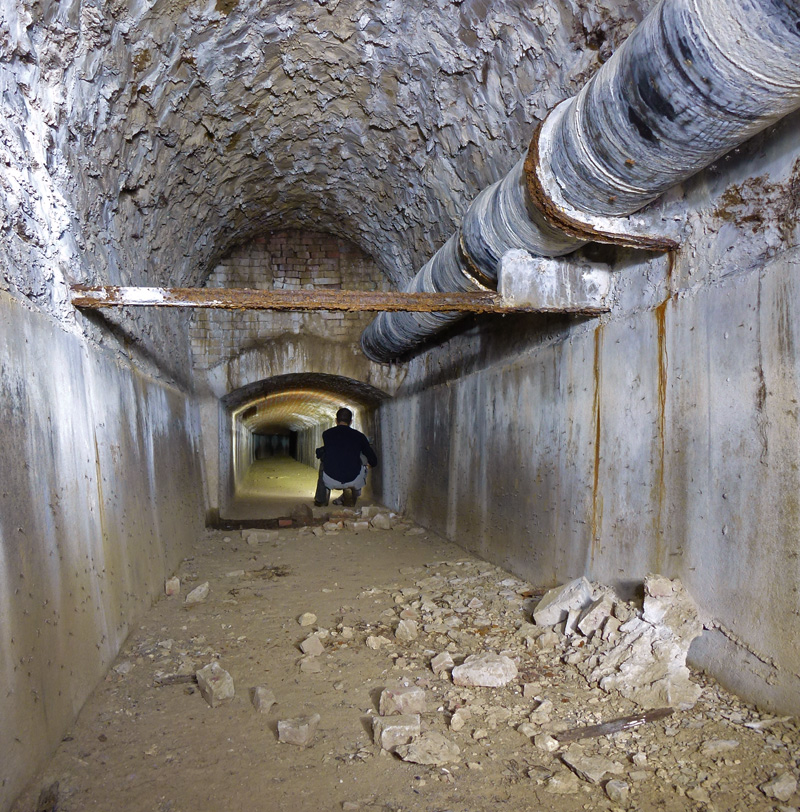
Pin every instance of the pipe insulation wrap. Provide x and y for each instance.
(695, 79)
(394, 333)
(503, 218)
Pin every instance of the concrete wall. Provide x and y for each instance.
(664, 437)
(91, 520)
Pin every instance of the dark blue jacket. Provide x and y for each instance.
(342, 453)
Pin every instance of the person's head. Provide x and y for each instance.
(344, 417)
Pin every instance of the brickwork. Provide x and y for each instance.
(284, 260)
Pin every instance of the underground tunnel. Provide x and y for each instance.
(546, 252)
(270, 431)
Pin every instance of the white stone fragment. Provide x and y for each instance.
(198, 594)
(715, 747)
(310, 665)
(256, 537)
(544, 741)
(562, 783)
(590, 768)
(172, 586)
(430, 748)
(781, 788)
(542, 712)
(391, 731)
(377, 641)
(307, 619)
(312, 646)
(647, 664)
(300, 730)
(215, 683)
(618, 791)
(402, 701)
(593, 617)
(263, 699)
(442, 662)
(459, 719)
(556, 604)
(485, 670)
(548, 641)
(382, 521)
(406, 631)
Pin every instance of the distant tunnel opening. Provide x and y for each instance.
(271, 430)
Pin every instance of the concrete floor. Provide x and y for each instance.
(273, 487)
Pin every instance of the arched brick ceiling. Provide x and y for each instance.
(293, 410)
(177, 128)
(298, 401)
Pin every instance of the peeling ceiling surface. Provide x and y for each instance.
(145, 139)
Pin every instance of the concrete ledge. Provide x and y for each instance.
(552, 283)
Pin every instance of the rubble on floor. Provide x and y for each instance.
(474, 691)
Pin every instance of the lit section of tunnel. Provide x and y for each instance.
(269, 435)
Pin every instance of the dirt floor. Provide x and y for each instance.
(140, 744)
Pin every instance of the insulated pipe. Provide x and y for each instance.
(695, 79)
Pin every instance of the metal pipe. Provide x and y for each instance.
(695, 79)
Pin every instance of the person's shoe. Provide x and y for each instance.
(338, 501)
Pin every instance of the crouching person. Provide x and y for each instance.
(346, 456)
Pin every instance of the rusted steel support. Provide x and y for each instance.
(696, 78)
(95, 298)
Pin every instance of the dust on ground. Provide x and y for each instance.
(147, 741)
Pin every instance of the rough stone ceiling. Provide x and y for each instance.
(175, 129)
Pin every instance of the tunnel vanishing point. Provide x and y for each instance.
(618, 181)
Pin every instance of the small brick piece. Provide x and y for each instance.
(215, 683)
(392, 731)
(263, 699)
(402, 701)
(312, 646)
(442, 662)
(299, 731)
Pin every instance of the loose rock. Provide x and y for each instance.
(563, 783)
(402, 700)
(556, 604)
(307, 619)
(485, 670)
(215, 683)
(781, 788)
(382, 522)
(590, 768)
(198, 594)
(312, 646)
(442, 662)
(391, 731)
(406, 631)
(263, 699)
(172, 586)
(430, 748)
(300, 730)
(618, 791)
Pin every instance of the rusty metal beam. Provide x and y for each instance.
(95, 298)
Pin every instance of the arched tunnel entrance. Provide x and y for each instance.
(269, 432)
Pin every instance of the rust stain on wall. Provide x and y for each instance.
(661, 427)
(597, 497)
